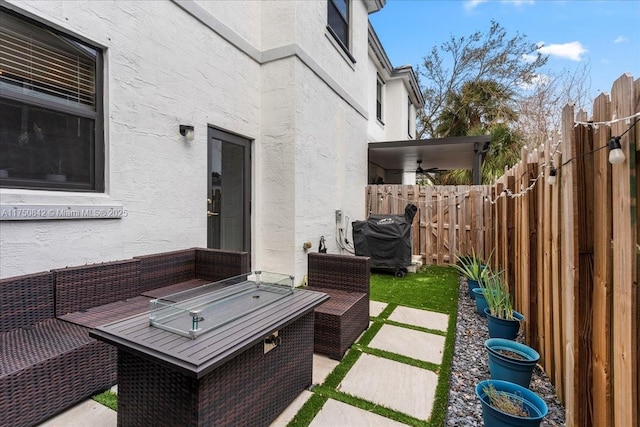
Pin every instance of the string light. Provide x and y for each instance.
(595, 125)
(616, 155)
(551, 179)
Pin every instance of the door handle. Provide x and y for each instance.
(209, 213)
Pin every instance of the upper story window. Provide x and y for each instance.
(338, 20)
(51, 108)
(409, 117)
(379, 86)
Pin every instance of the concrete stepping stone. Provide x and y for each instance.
(401, 387)
(335, 413)
(322, 367)
(87, 413)
(422, 318)
(287, 415)
(376, 307)
(411, 343)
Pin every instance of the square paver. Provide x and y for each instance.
(287, 415)
(376, 307)
(411, 343)
(335, 413)
(423, 318)
(401, 387)
(322, 367)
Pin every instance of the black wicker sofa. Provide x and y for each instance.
(48, 362)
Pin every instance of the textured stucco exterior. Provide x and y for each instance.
(266, 70)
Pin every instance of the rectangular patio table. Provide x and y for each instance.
(234, 352)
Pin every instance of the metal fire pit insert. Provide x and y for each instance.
(200, 310)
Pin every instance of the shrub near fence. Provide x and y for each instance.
(569, 251)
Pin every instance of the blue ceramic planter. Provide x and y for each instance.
(481, 302)
(503, 328)
(472, 285)
(533, 404)
(512, 369)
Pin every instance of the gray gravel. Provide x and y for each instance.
(470, 365)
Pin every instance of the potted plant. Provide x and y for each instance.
(502, 320)
(473, 268)
(511, 361)
(508, 404)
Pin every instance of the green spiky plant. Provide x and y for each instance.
(472, 266)
(497, 295)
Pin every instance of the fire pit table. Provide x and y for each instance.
(234, 352)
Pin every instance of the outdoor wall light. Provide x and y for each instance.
(616, 155)
(187, 132)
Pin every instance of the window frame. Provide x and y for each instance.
(379, 99)
(96, 115)
(344, 44)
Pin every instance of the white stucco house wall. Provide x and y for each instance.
(281, 97)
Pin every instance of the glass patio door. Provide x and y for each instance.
(229, 186)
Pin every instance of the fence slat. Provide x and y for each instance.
(624, 327)
(602, 415)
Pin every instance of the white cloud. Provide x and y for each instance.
(519, 2)
(620, 39)
(529, 58)
(472, 4)
(540, 80)
(572, 50)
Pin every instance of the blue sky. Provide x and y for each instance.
(603, 34)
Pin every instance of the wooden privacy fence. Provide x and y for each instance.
(451, 219)
(569, 251)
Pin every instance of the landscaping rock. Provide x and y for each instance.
(470, 366)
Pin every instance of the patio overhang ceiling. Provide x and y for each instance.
(462, 152)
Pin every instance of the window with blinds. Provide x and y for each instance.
(50, 104)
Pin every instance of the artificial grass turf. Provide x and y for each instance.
(108, 399)
(434, 289)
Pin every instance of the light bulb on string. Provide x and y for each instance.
(616, 155)
(551, 179)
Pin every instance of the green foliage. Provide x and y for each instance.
(472, 85)
(488, 62)
(472, 266)
(497, 295)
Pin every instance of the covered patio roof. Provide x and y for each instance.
(461, 152)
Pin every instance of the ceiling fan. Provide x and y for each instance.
(419, 170)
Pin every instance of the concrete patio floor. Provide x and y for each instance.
(372, 378)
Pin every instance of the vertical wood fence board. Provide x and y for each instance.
(533, 253)
(441, 229)
(584, 287)
(624, 326)
(509, 239)
(556, 331)
(428, 227)
(546, 312)
(636, 87)
(569, 263)
(602, 301)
